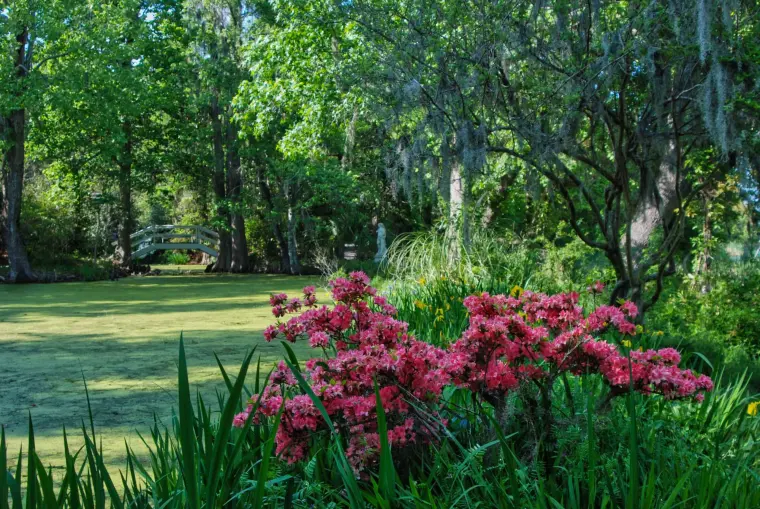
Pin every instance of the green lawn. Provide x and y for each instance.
(123, 336)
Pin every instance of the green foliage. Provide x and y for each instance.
(433, 255)
(430, 273)
(715, 314)
(51, 228)
(177, 258)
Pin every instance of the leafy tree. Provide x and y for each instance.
(35, 36)
(114, 118)
(609, 103)
(218, 30)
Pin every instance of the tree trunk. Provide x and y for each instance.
(266, 195)
(2, 201)
(292, 192)
(224, 260)
(350, 141)
(706, 259)
(445, 178)
(202, 197)
(126, 225)
(466, 211)
(238, 243)
(13, 181)
(656, 205)
(13, 187)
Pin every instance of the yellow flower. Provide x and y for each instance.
(659, 333)
(448, 306)
(627, 343)
(639, 329)
(419, 304)
(516, 291)
(443, 278)
(753, 408)
(422, 281)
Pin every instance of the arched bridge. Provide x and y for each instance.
(169, 236)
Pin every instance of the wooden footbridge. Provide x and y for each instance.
(169, 236)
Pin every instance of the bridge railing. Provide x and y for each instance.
(168, 236)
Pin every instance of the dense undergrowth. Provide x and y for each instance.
(712, 317)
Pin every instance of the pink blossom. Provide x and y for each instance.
(294, 305)
(277, 299)
(319, 339)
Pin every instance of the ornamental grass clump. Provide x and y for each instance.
(515, 345)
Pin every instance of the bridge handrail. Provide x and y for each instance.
(197, 237)
(163, 227)
(159, 237)
(165, 231)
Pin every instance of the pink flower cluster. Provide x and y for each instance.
(509, 341)
(369, 345)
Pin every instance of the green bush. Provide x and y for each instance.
(177, 258)
(49, 229)
(723, 306)
(433, 255)
(716, 316)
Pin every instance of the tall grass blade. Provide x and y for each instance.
(31, 479)
(261, 482)
(71, 478)
(670, 501)
(223, 432)
(15, 482)
(187, 437)
(387, 474)
(3, 470)
(590, 438)
(45, 483)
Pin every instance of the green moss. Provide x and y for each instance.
(123, 337)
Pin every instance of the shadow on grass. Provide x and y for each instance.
(144, 295)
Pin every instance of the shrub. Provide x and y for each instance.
(516, 346)
(177, 258)
(433, 254)
(723, 307)
(49, 229)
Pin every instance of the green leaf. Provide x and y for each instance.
(223, 431)
(387, 472)
(187, 432)
(265, 458)
(4, 474)
(31, 479)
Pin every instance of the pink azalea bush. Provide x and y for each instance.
(527, 339)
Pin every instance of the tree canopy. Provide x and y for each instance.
(295, 127)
